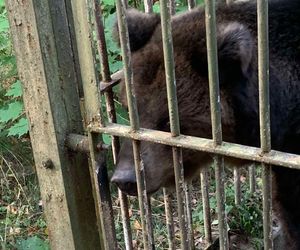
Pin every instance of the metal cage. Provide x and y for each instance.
(53, 41)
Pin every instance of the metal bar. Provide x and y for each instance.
(213, 76)
(115, 150)
(172, 7)
(264, 115)
(237, 185)
(173, 116)
(148, 4)
(128, 75)
(80, 143)
(188, 215)
(111, 113)
(101, 44)
(143, 197)
(206, 206)
(252, 181)
(169, 67)
(267, 205)
(191, 4)
(94, 116)
(103, 193)
(229, 1)
(169, 218)
(134, 124)
(248, 153)
(220, 194)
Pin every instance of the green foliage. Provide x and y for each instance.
(33, 243)
(12, 118)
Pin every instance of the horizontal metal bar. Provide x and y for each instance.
(206, 145)
(80, 143)
(115, 79)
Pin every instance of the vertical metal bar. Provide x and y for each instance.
(237, 185)
(173, 115)
(134, 122)
(93, 116)
(169, 219)
(206, 206)
(220, 177)
(189, 217)
(115, 150)
(172, 7)
(252, 181)
(111, 112)
(148, 6)
(210, 21)
(191, 4)
(264, 115)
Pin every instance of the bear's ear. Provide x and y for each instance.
(140, 28)
(235, 49)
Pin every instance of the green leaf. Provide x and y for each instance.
(12, 112)
(106, 139)
(15, 90)
(4, 26)
(20, 128)
(156, 7)
(33, 243)
(108, 2)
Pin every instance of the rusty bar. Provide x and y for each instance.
(169, 67)
(191, 4)
(169, 218)
(115, 79)
(148, 5)
(98, 161)
(172, 7)
(126, 56)
(264, 115)
(111, 113)
(143, 197)
(188, 215)
(213, 76)
(80, 143)
(101, 44)
(267, 205)
(206, 206)
(247, 153)
(77, 143)
(134, 124)
(237, 185)
(252, 181)
(220, 194)
(173, 116)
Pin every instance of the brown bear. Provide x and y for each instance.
(237, 57)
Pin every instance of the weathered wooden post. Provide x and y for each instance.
(47, 67)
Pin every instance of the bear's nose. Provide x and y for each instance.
(126, 181)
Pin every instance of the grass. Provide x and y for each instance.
(22, 222)
(244, 221)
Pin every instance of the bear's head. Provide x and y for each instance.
(235, 54)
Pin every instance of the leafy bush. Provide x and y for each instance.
(12, 119)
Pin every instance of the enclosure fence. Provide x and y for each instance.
(53, 41)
